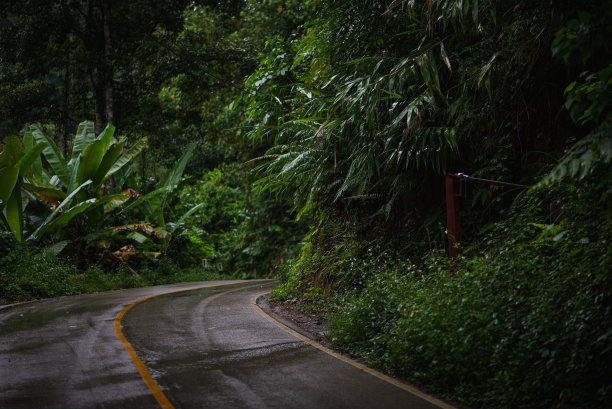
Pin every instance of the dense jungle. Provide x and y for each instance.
(149, 142)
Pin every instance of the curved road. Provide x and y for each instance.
(203, 348)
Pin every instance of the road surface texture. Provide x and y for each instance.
(208, 347)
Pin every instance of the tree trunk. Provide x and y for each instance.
(108, 73)
(98, 107)
(66, 113)
(108, 65)
(89, 41)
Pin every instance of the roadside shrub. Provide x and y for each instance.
(249, 232)
(27, 274)
(329, 260)
(7, 243)
(336, 263)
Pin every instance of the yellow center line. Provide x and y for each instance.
(379, 375)
(142, 370)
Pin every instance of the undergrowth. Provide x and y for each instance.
(29, 274)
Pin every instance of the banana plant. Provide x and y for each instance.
(77, 185)
(152, 205)
(16, 161)
(81, 179)
(71, 187)
(93, 158)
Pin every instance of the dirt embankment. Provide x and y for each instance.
(312, 326)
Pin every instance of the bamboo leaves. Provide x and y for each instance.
(350, 139)
(366, 119)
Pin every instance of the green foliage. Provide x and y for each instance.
(248, 232)
(267, 237)
(168, 272)
(368, 116)
(72, 201)
(354, 111)
(327, 259)
(153, 205)
(198, 76)
(588, 156)
(582, 43)
(200, 236)
(75, 202)
(28, 274)
(15, 163)
(93, 158)
(590, 99)
(57, 64)
(174, 85)
(276, 18)
(338, 259)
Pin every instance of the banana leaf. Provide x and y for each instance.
(14, 212)
(130, 154)
(84, 136)
(12, 151)
(53, 155)
(115, 202)
(171, 181)
(109, 159)
(106, 136)
(177, 172)
(90, 161)
(37, 234)
(30, 157)
(58, 247)
(185, 216)
(64, 218)
(50, 194)
(8, 180)
(73, 174)
(161, 191)
(137, 237)
(28, 142)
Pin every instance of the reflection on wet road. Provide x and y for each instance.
(63, 353)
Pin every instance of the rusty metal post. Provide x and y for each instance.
(452, 215)
(454, 191)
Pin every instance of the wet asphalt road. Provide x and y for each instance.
(205, 348)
